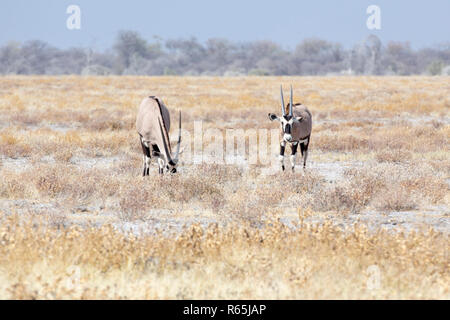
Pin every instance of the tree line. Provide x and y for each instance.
(131, 54)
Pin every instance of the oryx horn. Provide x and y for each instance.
(291, 104)
(282, 101)
(177, 152)
(169, 156)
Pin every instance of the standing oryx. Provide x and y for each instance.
(153, 125)
(295, 128)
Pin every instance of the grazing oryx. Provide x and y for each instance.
(153, 125)
(295, 128)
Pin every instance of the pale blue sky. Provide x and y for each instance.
(423, 23)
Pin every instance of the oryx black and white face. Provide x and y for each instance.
(171, 168)
(287, 122)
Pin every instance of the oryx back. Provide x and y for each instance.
(152, 111)
(302, 129)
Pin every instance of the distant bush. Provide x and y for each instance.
(131, 54)
(446, 71)
(435, 68)
(95, 70)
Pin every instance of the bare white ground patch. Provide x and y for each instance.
(404, 117)
(104, 162)
(14, 164)
(60, 127)
(167, 226)
(333, 171)
(437, 218)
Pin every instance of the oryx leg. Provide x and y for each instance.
(282, 148)
(294, 146)
(157, 155)
(146, 158)
(161, 163)
(304, 150)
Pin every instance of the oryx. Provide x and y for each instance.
(295, 128)
(153, 125)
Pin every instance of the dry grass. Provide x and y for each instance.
(219, 263)
(397, 155)
(70, 165)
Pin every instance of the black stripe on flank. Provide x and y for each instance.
(145, 150)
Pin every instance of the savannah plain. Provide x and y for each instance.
(367, 219)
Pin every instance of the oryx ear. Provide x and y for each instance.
(299, 119)
(273, 116)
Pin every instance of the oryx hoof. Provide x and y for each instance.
(282, 168)
(292, 169)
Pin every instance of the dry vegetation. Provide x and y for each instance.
(376, 192)
(218, 263)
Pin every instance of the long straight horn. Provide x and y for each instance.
(291, 103)
(177, 152)
(282, 101)
(166, 149)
